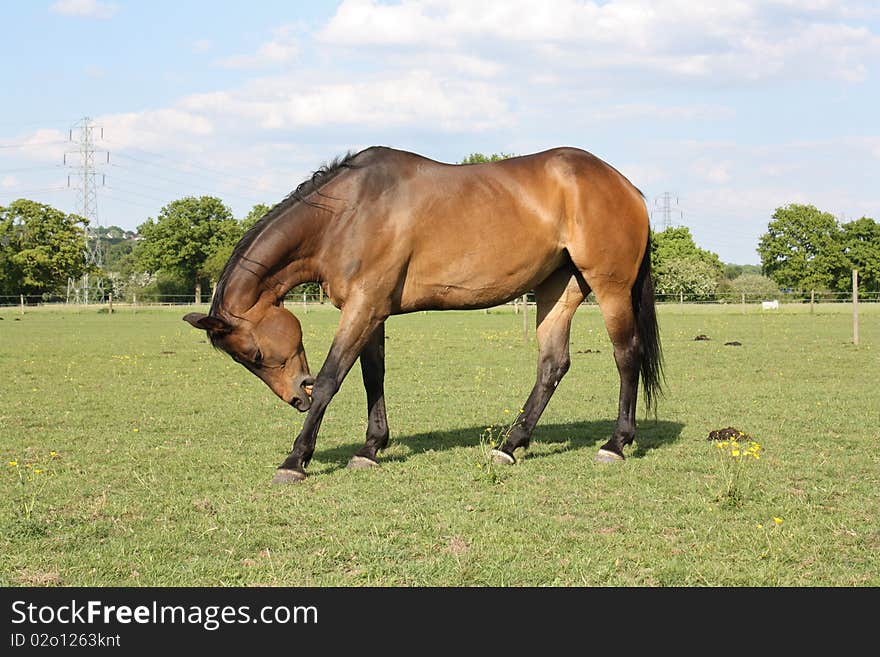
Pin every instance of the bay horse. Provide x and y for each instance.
(386, 232)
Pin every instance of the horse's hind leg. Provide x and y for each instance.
(617, 311)
(558, 297)
(373, 370)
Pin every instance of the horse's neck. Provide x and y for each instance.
(280, 258)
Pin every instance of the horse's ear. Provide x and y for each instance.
(208, 323)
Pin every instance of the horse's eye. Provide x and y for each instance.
(258, 357)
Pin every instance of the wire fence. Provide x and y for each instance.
(308, 300)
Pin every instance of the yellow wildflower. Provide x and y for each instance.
(778, 521)
(37, 471)
(12, 464)
(734, 452)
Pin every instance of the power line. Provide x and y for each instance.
(15, 192)
(211, 175)
(183, 183)
(217, 173)
(40, 168)
(119, 199)
(114, 186)
(114, 178)
(35, 122)
(32, 143)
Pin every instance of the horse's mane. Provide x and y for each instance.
(309, 186)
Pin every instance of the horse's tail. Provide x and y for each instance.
(649, 334)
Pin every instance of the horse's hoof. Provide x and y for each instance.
(285, 476)
(501, 458)
(607, 456)
(361, 463)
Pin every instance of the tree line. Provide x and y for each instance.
(190, 240)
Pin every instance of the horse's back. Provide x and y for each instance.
(479, 234)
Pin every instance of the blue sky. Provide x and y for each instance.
(735, 108)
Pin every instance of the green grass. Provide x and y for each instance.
(165, 448)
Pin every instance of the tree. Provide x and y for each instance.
(860, 244)
(686, 276)
(479, 158)
(215, 262)
(678, 243)
(754, 286)
(40, 248)
(186, 234)
(801, 248)
(680, 266)
(257, 212)
(732, 270)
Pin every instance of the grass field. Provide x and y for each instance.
(135, 454)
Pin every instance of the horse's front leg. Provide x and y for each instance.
(373, 370)
(356, 326)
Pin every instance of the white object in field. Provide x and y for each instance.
(770, 305)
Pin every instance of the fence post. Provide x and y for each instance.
(305, 306)
(198, 293)
(812, 300)
(744, 303)
(525, 306)
(21, 300)
(856, 307)
(681, 298)
(134, 303)
(320, 294)
(110, 299)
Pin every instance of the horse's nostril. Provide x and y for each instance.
(301, 404)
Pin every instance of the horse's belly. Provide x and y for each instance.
(474, 276)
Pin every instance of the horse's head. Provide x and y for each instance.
(270, 347)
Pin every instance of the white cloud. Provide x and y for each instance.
(365, 22)
(478, 67)
(8, 182)
(282, 49)
(84, 8)
(626, 112)
(712, 171)
(202, 45)
(44, 145)
(728, 190)
(747, 40)
(416, 98)
(154, 129)
(641, 174)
